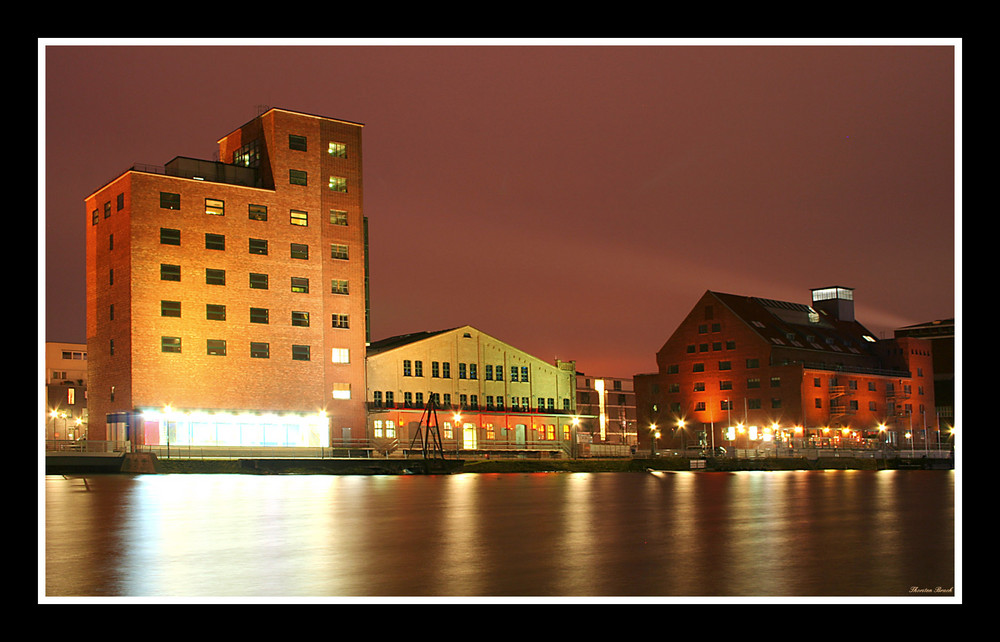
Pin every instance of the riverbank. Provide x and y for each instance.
(417, 466)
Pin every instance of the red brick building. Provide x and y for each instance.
(226, 301)
(748, 372)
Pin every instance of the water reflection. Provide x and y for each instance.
(796, 533)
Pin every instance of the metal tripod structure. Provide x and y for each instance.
(430, 439)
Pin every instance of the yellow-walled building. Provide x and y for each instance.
(488, 396)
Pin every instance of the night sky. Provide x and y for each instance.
(574, 201)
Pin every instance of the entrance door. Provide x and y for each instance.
(469, 436)
(519, 431)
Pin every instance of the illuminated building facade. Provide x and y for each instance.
(226, 301)
(748, 372)
(65, 390)
(606, 407)
(489, 396)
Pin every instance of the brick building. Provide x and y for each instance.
(748, 372)
(226, 301)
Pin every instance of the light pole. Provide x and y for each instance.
(654, 434)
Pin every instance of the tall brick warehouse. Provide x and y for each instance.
(227, 301)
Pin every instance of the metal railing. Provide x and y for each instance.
(85, 446)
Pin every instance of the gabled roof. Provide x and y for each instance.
(401, 340)
(799, 326)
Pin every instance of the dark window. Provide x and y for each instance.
(170, 344)
(258, 315)
(300, 353)
(169, 236)
(297, 177)
(258, 212)
(215, 312)
(215, 242)
(259, 350)
(215, 277)
(217, 347)
(297, 142)
(121, 201)
(170, 272)
(258, 246)
(170, 308)
(300, 251)
(300, 319)
(258, 281)
(170, 201)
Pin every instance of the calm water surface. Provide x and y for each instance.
(796, 533)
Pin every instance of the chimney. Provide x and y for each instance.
(837, 302)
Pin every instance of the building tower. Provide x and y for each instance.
(226, 301)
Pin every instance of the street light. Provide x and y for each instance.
(654, 435)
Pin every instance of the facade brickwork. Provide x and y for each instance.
(190, 256)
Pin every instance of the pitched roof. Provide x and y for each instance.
(797, 325)
(391, 343)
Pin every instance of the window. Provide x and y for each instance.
(725, 365)
(170, 308)
(698, 367)
(170, 272)
(446, 370)
(111, 242)
(338, 251)
(300, 285)
(260, 350)
(337, 150)
(258, 246)
(753, 382)
(169, 236)
(258, 315)
(418, 369)
(170, 201)
(215, 312)
(343, 391)
(524, 373)
(215, 242)
(343, 355)
(120, 201)
(435, 369)
(216, 347)
(489, 372)
(215, 207)
(775, 382)
(461, 371)
(513, 373)
(258, 281)
(407, 368)
(473, 374)
(300, 251)
(297, 142)
(339, 286)
(258, 212)
(93, 217)
(170, 344)
(499, 372)
(338, 184)
(298, 217)
(215, 277)
(338, 217)
(300, 319)
(297, 177)
(300, 353)
(340, 321)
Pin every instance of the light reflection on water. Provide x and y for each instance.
(795, 533)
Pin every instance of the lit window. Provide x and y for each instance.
(299, 217)
(341, 391)
(337, 150)
(338, 251)
(300, 284)
(340, 321)
(340, 355)
(338, 184)
(338, 217)
(300, 319)
(215, 207)
(338, 286)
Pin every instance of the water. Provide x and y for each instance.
(752, 534)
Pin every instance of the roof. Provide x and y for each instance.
(391, 343)
(800, 326)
